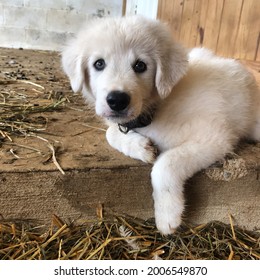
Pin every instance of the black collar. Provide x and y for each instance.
(141, 121)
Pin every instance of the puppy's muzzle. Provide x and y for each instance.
(118, 100)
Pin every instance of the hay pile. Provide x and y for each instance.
(126, 238)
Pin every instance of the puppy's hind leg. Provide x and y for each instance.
(169, 174)
(132, 144)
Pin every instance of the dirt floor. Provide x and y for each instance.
(35, 77)
(51, 131)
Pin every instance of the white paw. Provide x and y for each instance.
(168, 211)
(146, 151)
(132, 144)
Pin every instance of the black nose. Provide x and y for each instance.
(118, 100)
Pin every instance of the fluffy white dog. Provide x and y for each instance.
(190, 107)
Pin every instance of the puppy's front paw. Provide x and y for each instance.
(132, 144)
(167, 225)
(148, 151)
(168, 212)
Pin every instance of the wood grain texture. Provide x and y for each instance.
(171, 12)
(231, 28)
(212, 24)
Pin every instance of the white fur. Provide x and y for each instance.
(205, 103)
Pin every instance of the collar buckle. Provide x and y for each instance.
(123, 129)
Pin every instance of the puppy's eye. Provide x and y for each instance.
(139, 66)
(100, 64)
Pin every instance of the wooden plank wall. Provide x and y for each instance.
(229, 27)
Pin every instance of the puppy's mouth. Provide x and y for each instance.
(120, 117)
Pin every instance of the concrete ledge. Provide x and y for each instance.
(78, 194)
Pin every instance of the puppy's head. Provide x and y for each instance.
(124, 65)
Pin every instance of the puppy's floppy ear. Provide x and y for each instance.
(72, 63)
(172, 64)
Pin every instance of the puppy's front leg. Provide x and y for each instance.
(131, 144)
(171, 170)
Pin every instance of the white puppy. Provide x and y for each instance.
(191, 107)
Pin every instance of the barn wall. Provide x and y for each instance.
(46, 24)
(229, 27)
